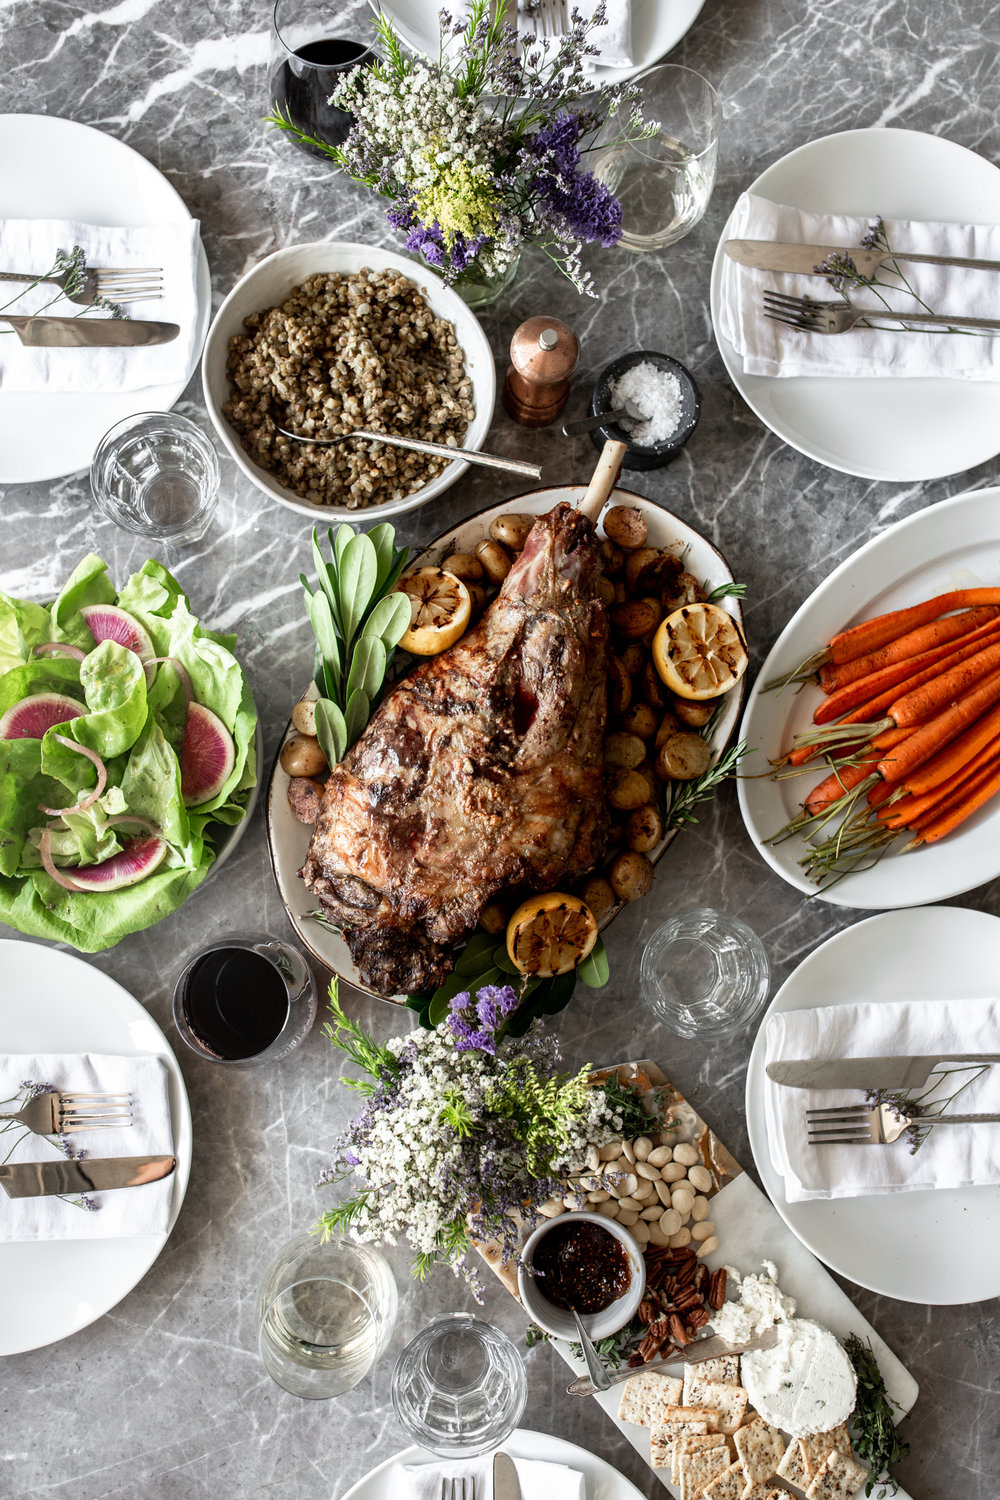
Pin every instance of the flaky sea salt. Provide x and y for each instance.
(656, 395)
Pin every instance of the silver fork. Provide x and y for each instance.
(812, 316)
(55, 1113)
(856, 1125)
(463, 1488)
(553, 19)
(132, 285)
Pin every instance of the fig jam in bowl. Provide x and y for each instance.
(585, 1261)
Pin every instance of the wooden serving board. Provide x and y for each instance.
(750, 1231)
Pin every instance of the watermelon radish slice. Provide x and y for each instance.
(29, 719)
(207, 756)
(106, 622)
(138, 859)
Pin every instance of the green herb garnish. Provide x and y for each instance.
(613, 1350)
(357, 621)
(876, 1440)
(726, 591)
(681, 797)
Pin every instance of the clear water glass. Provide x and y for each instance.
(157, 474)
(664, 181)
(705, 973)
(325, 1313)
(459, 1387)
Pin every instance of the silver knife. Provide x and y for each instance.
(806, 260)
(867, 1072)
(40, 1179)
(89, 333)
(691, 1354)
(506, 1485)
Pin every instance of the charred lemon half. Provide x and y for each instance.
(551, 934)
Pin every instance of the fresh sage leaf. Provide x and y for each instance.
(476, 955)
(356, 714)
(390, 619)
(358, 572)
(344, 534)
(321, 618)
(382, 538)
(331, 731)
(595, 970)
(368, 667)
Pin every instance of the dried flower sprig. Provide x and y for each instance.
(921, 1108)
(72, 266)
(842, 272)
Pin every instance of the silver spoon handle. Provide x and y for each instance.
(441, 450)
(588, 424)
(595, 1369)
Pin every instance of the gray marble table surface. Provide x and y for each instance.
(165, 1397)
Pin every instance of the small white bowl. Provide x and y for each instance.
(558, 1322)
(267, 284)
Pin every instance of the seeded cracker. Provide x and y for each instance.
(760, 1446)
(684, 1445)
(729, 1401)
(816, 1447)
(728, 1486)
(840, 1478)
(795, 1466)
(722, 1371)
(700, 1468)
(646, 1396)
(661, 1440)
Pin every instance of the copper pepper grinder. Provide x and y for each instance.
(544, 352)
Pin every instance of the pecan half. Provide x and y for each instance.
(678, 1332)
(717, 1290)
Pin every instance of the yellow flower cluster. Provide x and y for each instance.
(462, 199)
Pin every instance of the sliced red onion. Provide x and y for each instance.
(44, 849)
(181, 671)
(58, 648)
(91, 797)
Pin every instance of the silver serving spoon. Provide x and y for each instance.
(588, 424)
(598, 1374)
(442, 450)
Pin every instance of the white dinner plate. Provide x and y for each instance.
(57, 169)
(657, 27)
(954, 544)
(926, 1247)
(288, 839)
(54, 1002)
(601, 1480)
(878, 429)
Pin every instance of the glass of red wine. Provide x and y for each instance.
(312, 46)
(244, 1000)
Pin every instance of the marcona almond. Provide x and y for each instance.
(642, 1146)
(707, 1246)
(686, 1154)
(643, 1169)
(701, 1178)
(659, 1156)
(703, 1231)
(674, 1171)
(700, 1209)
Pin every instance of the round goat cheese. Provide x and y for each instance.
(805, 1384)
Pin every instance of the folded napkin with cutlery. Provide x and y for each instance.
(614, 38)
(123, 1213)
(31, 245)
(769, 348)
(539, 1481)
(954, 1156)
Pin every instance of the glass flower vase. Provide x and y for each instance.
(478, 290)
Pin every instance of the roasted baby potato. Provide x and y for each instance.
(630, 875)
(512, 529)
(625, 526)
(683, 757)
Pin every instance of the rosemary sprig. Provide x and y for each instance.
(875, 1438)
(726, 591)
(682, 797)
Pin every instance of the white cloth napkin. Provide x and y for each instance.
(953, 1156)
(614, 38)
(769, 348)
(124, 1212)
(539, 1481)
(31, 245)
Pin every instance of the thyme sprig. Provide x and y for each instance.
(875, 1438)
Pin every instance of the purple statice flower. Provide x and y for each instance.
(584, 208)
(74, 1153)
(874, 236)
(494, 1003)
(33, 1089)
(90, 1204)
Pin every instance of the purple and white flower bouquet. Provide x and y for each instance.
(483, 152)
(464, 1132)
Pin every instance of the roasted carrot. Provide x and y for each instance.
(955, 757)
(926, 638)
(958, 652)
(912, 812)
(838, 784)
(930, 737)
(979, 791)
(923, 703)
(881, 629)
(880, 793)
(866, 694)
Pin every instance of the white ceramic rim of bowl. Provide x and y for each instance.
(598, 1325)
(347, 256)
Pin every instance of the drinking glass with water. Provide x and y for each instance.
(705, 973)
(157, 474)
(325, 1313)
(459, 1387)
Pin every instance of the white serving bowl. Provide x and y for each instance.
(555, 1320)
(269, 283)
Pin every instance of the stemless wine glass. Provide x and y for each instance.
(156, 474)
(313, 44)
(664, 181)
(459, 1387)
(325, 1313)
(245, 999)
(705, 973)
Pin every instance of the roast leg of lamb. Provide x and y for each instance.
(481, 770)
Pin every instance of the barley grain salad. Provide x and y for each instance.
(342, 352)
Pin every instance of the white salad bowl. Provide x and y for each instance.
(559, 1323)
(267, 284)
